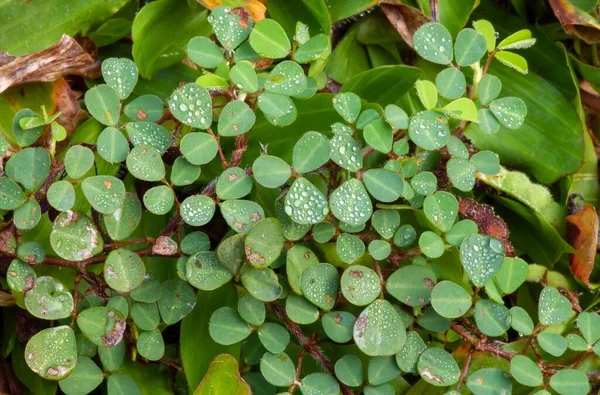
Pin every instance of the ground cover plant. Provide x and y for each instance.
(315, 197)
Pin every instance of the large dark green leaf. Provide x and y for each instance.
(310, 12)
(531, 233)
(150, 378)
(197, 347)
(30, 26)
(342, 9)
(165, 18)
(383, 85)
(552, 126)
(451, 13)
(223, 377)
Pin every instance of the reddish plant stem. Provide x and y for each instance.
(298, 369)
(309, 346)
(465, 369)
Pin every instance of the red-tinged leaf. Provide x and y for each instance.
(582, 234)
(575, 21)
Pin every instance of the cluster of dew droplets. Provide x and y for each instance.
(159, 199)
(11, 195)
(287, 78)
(320, 284)
(349, 247)
(510, 111)
(351, 203)
(481, 257)
(227, 27)
(431, 125)
(192, 106)
(345, 152)
(54, 355)
(197, 210)
(120, 74)
(304, 203)
(148, 133)
(361, 287)
(432, 44)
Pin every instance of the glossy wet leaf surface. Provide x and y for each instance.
(351, 203)
(124, 270)
(192, 106)
(52, 352)
(481, 257)
(378, 330)
(320, 284)
(75, 237)
(48, 299)
(438, 368)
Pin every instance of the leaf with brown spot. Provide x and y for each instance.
(256, 8)
(576, 21)
(582, 235)
(406, 20)
(64, 58)
(223, 378)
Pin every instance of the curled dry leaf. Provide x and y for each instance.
(257, 8)
(64, 58)
(576, 21)
(405, 19)
(582, 235)
(65, 100)
(487, 221)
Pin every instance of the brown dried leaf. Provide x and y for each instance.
(64, 58)
(256, 8)
(576, 21)
(406, 20)
(488, 222)
(66, 102)
(582, 235)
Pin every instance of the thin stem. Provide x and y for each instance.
(465, 369)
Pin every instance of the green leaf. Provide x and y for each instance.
(26, 32)
(338, 326)
(412, 285)
(20, 276)
(52, 352)
(463, 109)
(183, 172)
(383, 84)
(489, 88)
(462, 174)
(570, 382)
(275, 105)
(300, 310)
(576, 342)
(271, 171)
(263, 284)
(345, 152)
(123, 222)
(223, 375)
(319, 284)
(427, 93)
(382, 370)
(103, 326)
(25, 137)
(287, 78)
(229, 27)
(383, 184)
(486, 162)
(360, 285)
(379, 331)
(264, 243)
(103, 103)
(385, 222)
(348, 369)
(510, 111)
(205, 271)
(269, 40)
(429, 130)
(521, 321)
(274, 337)
(441, 209)
(78, 161)
(511, 274)
(192, 106)
(433, 42)
(525, 371)
(408, 357)
(147, 108)
(149, 292)
(553, 308)
(349, 248)
(553, 343)
(303, 193)
(351, 203)
(11, 195)
(518, 40)
(431, 244)
(120, 384)
(121, 74)
(311, 151)
(396, 116)
(489, 381)
(450, 300)
(469, 47)
(105, 193)
(148, 133)
(84, 379)
(151, 345)
(481, 257)
(589, 325)
(313, 49)
(112, 146)
(177, 301)
(29, 167)
(145, 315)
(488, 123)
(75, 237)
(159, 200)
(379, 136)
(165, 18)
(236, 118)
(380, 249)
(226, 327)
(233, 183)
(486, 29)
(298, 259)
(124, 270)
(319, 383)
(48, 299)
(438, 368)
(347, 105)
(28, 215)
(252, 310)
(241, 215)
(451, 83)
(242, 74)
(492, 319)
(197, 210)
(204, 52)
(145, 163)
(278, 369)
(512, 60)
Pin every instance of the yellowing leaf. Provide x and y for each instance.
(256, 8)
